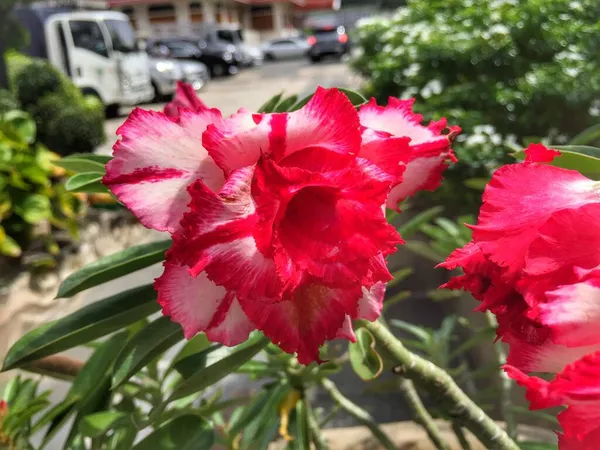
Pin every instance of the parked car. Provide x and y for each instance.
(287, 48)
(165, 72)
(328, 41)
(219, 61)
(227, 35)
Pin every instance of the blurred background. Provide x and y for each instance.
(509, 72)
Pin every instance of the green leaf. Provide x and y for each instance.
(421, 333)
(301, 432)
(113, 266)
(11, 390)
(34, 208)
(536, 446)
(214, 369)
(144, 347)
(188, 365)
(440, 295)
(188, 432)
(195, 345)
(478, 184)
(84, 162)
(250, 412)
(98, 424)
(424, 250)
(414, 224)
(365, 360)
(269, 105)
(300, 103)
(90, 322)
(86, 182)
(587, 136)
(9, 247)
(584, 159)
(396, 298)
(286, 104)
(355, 98)
(23, 124)
(485, 335)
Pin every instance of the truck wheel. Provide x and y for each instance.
(270, 57)
(111, 111)
(315, 58)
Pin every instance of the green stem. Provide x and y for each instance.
(317, 436)
(362, 416)
(330, 416)
(440, 384)
(421, 415)
(460, 435)
(506, 384)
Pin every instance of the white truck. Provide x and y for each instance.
(97, 49)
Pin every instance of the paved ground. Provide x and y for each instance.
(252, 87)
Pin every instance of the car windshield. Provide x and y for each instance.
(122, 35)
(233, 36)
(180, 48)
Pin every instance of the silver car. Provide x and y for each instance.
(286, 48)
(165, 72)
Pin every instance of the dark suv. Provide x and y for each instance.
(328, 41)
(220, 60)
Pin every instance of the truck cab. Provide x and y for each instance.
(98, 50)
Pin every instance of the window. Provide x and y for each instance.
(182, 49)
(64, 51)
(122, 36)
(87, 35)
(232, 36)
(284, 42)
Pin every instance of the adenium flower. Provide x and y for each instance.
(185, 98)
(577, 387)
(534, 241)
(277, 220)
(430, 150)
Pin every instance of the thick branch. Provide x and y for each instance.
(422, 416)
(362, 416)
(440, 384)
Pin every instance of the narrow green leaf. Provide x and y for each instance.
(188, 432)
(440, 295)
(364, 359)
(424, 250)
(83, 162)
(396, 298)
(401, 275)
(90, 322)
(414, 224)
(421, 333)
(245, 415)
(477, 184)
(188, 365)
(269, 105)
(584, 159)
(11, 390)
(355, 98)
(301, 103)
(144, 347)
(100, 423)
(587, 136)
(195, 345)
(215, 370)
(113, 266)
(286, 104)
(301, 433)
(86, 182)
(482, 336)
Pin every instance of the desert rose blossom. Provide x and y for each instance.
(527, 260)
(429, 149)
(277, 224)
(185, 98)
(577, 387)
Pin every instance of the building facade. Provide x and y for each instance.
(262, 19)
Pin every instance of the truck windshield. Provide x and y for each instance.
(122, 36)
(233, 36)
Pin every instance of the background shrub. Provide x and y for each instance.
(67, 121)
(506, 71)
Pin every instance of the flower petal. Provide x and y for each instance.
(156, 160)
(302, 323)
(504, 235)
(328, 121)
(539, 153)
(186, 98)
(216, 237)
(234, 328)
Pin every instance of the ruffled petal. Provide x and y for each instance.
(371, 302)
(216, 237)
(185, 98)
(234, 328)
(328, 122)
(539, 153)
(155, 161)
(572, 312)
(302, 323)
(514, 208)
